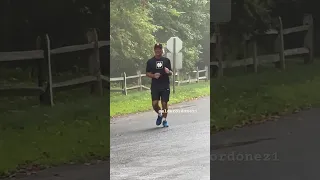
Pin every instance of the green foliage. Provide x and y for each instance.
(75, 130)
(253, 98)
(66, 21)
(248, 17)
(131, 35)
(139, 101)
(190, 21)
(191, 55)
(134, 30)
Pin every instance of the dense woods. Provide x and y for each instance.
(135, 25)
(65, 21)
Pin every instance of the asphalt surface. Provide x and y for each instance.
(72, 172)
(142, 151)
(288, 149)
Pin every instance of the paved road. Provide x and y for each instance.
(76, 172)
(288, 149)
(141, 151)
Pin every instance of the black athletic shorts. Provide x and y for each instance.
(160, 94)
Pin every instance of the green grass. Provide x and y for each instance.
(75, 130)
(137, 101)
(239, 100)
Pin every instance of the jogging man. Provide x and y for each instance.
(159, 70)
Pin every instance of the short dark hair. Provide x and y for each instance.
(158, 45)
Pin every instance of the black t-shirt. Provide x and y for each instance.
(155, 65)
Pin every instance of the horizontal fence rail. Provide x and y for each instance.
(46, 87)
(39, 54)
(124, 85)
(278, 58)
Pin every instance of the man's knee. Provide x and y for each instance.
(155, 104)
(164, 104)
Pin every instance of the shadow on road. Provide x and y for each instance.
(155, 129)
(228, 145)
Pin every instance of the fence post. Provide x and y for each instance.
(94, 62)
(125, 92)
(178, 78)
(174, 78)
(308, 39)
(246, 39)
(255, 52)
(122, 82)
(219, 56)
(219, 51)
(206, 73)
(45, 75)
(189, 78)
(41, 76)
(214, 69)
(197, 74)
(139, 80)
(282, 57)
(279, 46)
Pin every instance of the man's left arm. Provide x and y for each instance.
(169, 67)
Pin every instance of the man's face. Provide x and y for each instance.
(158, 52)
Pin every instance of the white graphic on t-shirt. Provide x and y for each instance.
(159, 64)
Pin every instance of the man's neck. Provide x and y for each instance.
(157, 57)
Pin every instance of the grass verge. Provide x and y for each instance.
(32, 136)
(139, 101)
(251, 98)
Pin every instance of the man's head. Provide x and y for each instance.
(158, 50)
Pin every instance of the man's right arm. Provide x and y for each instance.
(150, 75)
(148, 70)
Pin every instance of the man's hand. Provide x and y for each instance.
(166, 70)
(156, 75)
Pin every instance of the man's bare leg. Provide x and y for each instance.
(165, 113)
(157, 109)
(164, 109)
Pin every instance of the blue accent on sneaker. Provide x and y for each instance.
(165, 124)
(159, 120)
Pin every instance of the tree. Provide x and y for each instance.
(131, 35)
(137, 25)
(248, 17)
(66, 21)
(187, 19)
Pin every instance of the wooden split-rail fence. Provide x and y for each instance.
(279, 57)
(124, 87)
(45, 87)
